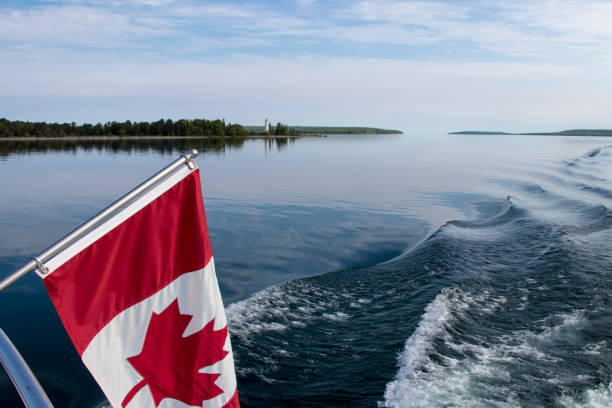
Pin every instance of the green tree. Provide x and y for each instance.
(234, 130)
(218, 128)
(281, 129)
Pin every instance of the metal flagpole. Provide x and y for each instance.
(92, 223)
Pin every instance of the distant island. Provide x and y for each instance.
(572, 132)
(168, 128)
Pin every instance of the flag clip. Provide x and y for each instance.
(41, 267)
(189, 159)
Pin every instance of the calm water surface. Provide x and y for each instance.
(394, 270)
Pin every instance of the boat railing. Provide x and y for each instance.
(28, 387)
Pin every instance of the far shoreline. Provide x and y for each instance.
(573, 132)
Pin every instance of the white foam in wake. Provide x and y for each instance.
(403, 391)
(475, 373)
(277, 308)
(596, 398)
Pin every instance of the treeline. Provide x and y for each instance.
(282, 130)
(346, 130)
(323, 130)
(168, 127)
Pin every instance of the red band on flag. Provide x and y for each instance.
(132, 261)
(233, 403)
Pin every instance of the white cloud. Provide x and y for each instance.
(305, 3)
(581, 26)
(152, 3)
(209, 10)
(544, 29)
(76, 27)
(407, 12)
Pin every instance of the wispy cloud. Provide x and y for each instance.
(223, 10)
(305, 3)
(539, 29)
(542, 29)
(408, 12)
(581, 26)
(77, 27)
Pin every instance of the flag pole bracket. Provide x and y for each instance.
(41, 267)
(189, 159)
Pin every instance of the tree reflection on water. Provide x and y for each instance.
(214, 146)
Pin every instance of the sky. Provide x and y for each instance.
(418, 66)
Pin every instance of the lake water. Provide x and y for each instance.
(389, 270)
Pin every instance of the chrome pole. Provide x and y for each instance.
(30, 391)
(96, 220)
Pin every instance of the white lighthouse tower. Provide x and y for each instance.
(267, 126)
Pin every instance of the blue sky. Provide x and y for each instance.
(413, 65)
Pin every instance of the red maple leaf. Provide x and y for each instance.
(170, 363)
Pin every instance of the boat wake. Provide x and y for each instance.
(509, 310)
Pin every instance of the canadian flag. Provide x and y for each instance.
(140, 300)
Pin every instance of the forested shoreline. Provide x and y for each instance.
(167, 127)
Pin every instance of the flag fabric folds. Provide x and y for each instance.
(139, 299)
